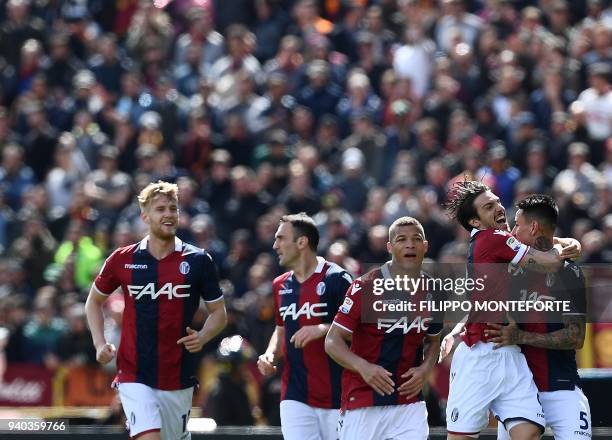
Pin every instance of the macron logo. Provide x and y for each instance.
(135, 266)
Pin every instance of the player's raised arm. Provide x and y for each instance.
(105, 352)
(540, 261)
(374, 375)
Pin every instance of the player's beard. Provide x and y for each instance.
(164, 233)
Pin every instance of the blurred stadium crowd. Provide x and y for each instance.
(354, 111)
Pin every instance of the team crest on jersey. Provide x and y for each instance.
(321, 288)
(513, 244)
(346, 305)
(184, 268)
(576, 271)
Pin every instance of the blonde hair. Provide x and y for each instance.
(154, 189)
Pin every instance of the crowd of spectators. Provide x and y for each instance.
(353, 111)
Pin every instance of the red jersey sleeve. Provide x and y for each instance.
(276, 285)
(106, 282)
(497, 246)
(349, 313)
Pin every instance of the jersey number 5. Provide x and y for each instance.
(583, 418)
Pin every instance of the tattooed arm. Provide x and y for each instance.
(539, 261)
(571, 337)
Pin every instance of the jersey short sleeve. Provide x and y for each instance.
(276, 286)
(211, 291)
(107, 281)
(349, 312)
(339, 285)
(497, 246)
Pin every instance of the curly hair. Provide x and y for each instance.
(460, 201)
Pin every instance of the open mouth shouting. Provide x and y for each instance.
(500, 221)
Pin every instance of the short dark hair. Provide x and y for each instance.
(405, 221)
(460, 201)
(303, 225)
(540, 207)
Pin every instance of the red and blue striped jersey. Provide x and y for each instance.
(552, 370)
(492, 252)
(161, 298)
(393, 340)
(309, 375)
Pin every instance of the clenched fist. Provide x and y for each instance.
(105, 353)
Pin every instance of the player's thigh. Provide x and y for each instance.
(474, 384)
(362, 424)
(140, 407)
(298, 421)
(328, 423)
(567, 413)
(523, 430)
(407, 422)
(175, 409)
(518, 400)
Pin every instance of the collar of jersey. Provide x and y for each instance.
(384, 270)
(320, 265)
(178, 244)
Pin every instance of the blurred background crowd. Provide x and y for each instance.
(353, 111)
